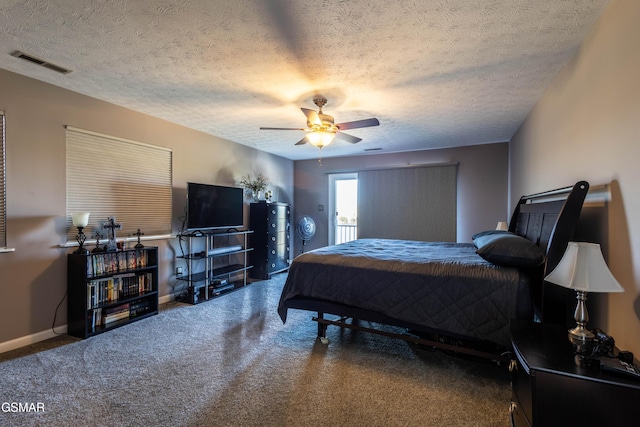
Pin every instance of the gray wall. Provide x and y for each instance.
(482, 186)
(587, 126)
(33, 278)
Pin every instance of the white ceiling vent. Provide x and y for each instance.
(40, 62)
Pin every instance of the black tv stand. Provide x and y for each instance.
(215, 262)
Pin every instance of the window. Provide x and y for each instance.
(3, 187)
(109, 176)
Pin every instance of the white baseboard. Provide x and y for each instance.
(31, 339)
(166, 298)
(45, 335)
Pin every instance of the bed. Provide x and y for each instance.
(455, 296)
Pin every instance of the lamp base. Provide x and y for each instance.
(80, 238)
(580, 334)
(581, 338)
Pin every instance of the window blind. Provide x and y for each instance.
(3, 187)
(411, 203)
(109, 176)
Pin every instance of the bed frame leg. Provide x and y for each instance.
(322, 329)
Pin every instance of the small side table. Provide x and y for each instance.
(549, 389)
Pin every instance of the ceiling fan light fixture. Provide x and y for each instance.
(321, 129)
(320, 138)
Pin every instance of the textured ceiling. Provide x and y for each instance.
(436, 73)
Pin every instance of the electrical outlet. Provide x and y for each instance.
(178, 271)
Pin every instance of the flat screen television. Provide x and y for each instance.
(214, 207)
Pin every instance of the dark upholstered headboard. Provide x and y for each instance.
(549, 219)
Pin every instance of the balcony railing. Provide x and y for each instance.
(346, 233)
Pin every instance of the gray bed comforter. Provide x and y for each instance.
(441, 286)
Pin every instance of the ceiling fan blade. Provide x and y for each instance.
(358, 124)
(312, 116)
(263, 128)
(347, 137)
(302, 141)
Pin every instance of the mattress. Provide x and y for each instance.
(438, 285)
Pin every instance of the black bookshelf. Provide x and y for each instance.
(107, 290)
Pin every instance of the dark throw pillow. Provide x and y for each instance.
(488, 233)
(509, 250)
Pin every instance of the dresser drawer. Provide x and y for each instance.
(277, 264)
(518, 419)
(278, 251)
(522, 387)
(278, 238)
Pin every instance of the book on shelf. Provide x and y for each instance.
(132, 260)
(139, 307)
(90, 268)
(119, 312)
(96, 317)
(114, 262)
(116, 316)
(114, 288)
(122, 262)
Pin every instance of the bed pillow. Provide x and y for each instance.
(488, 232)
(509, 250)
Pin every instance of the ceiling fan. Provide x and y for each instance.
(321, 129)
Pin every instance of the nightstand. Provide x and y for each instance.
(549, 389)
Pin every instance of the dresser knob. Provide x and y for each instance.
(513, 365)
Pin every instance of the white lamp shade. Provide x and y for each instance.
(583, 268)
(80, 219)
(502, 225)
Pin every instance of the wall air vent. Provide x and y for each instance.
(40, 62)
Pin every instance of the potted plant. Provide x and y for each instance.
(255, 186)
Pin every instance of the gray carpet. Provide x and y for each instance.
(231, 362)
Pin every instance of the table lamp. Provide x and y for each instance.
(583, 268)
(80, 220)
